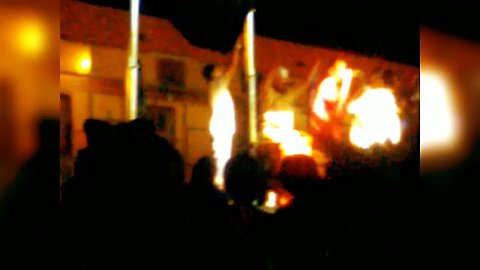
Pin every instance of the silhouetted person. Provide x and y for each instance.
(83, 195)
(89, 158)
(248, 227)
(145, 202)
(204, 198)
(29, 220)
(127, 207)
(303, 225)
(207, 218)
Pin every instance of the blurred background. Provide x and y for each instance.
(449, 132)
(28, 78)
(450, 88)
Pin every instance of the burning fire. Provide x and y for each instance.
(271, 199)
(330, 91)
(375, 112)
(376, 119)
(279, 128)
(222, 129)
(278, 199)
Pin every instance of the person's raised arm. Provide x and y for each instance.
(233, 66)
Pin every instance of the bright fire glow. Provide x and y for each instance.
(279, 128)
(222, 129)
(376, 119)
(437, 121)
(271, 199)
(285, 199)
(329, 89)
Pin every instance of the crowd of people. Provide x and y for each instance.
(129, 205)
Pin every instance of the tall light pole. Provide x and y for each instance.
(132, 67)
(249, 39)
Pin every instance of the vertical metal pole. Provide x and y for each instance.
(132, 68)
(249, 39)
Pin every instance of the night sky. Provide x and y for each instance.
(389, 29)
(458, 18)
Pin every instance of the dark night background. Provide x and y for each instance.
(388, 29)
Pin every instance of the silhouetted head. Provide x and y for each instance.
(143, 127)
(297, 170)
(207, 71)
(97, 131)
(202, 173)
(211, 72)
(242, 179)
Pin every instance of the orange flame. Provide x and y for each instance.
(222, 129)
(285, 199)
(278, 127)
(376, 118)
(329, 89)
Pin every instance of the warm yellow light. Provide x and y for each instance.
(437, 119)
(222, 129)
(250, 43)
(31, 37)
(279, 128)
(271, 199)
(84, 64)
(280, 119)
(376, 119)
(249, 40)
(330, 91)
(346, 75)
(132, 68)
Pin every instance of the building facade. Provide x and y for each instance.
(93, 58)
